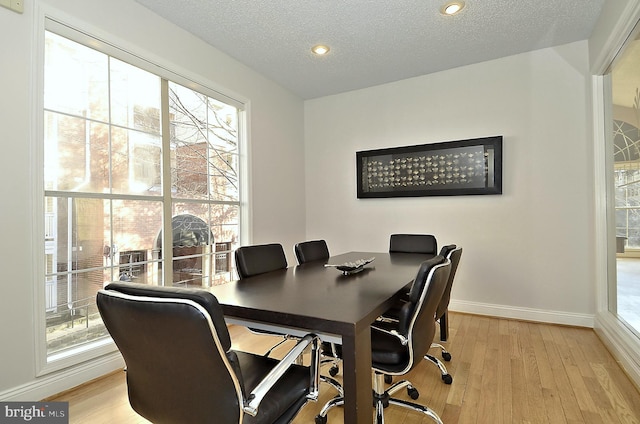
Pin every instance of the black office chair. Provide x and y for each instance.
(259, 259)
(180, 367)
(453, 253)
(413, 243)
(390, 317)
(397, 352)
(310, 251)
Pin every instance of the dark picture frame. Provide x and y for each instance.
(452, 168)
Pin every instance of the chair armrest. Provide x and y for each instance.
(394, 333)
(382, 318)
(256, 396)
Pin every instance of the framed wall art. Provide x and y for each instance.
(463, 167)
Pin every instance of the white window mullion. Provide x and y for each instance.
(167, 207)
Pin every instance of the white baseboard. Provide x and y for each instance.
(54, 383)
(524, 314)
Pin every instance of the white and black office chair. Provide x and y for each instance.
(180, 367)
(390, 317)
(453, 253)
(398, 351)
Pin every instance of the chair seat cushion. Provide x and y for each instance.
(387, 352)
(283, 399)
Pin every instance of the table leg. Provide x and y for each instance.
(444, 326)
(356, 357)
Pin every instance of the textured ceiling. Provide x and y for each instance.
(374, 41)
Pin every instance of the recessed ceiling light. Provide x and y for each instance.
(320, 49)
(452, 7)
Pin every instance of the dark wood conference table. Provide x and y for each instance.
(339, 308)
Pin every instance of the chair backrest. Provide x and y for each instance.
(176, 347)
(413, 243)
(454, 254)
(313, 250)
(259, 258)
(416, 318)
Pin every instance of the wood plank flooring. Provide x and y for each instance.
(504, 371)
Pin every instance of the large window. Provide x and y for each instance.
(141, 183)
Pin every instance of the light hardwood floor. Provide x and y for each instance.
(504, 371)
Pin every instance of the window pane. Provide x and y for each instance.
(187, 110)
(136, 239)
(189, 166)
(75, 79)
(225, 223)
(135, 98)
(226, 230)
(627, 182)
(224, 179)
(198, 262)
(192, 245)
(223, 125)
(204, 146)
(76, 269)
(75, 154)
(223, 140)
(135, 164)
(72, 317)
(192, 266)
(76, 234)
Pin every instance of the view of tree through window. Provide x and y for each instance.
(106, 186)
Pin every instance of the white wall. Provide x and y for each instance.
(527, 252)
(277, 168)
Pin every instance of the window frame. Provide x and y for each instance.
(623, 343)
(46, 363)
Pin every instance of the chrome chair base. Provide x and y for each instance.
(333, 383)
(381, 399)
(444, 374)
(446, 377)
(332, 357)
(445, 354)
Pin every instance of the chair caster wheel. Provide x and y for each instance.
(446, 356)
(413, 393)
(388, 379)
(321, 420)
(333, 371)
(447, 379)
